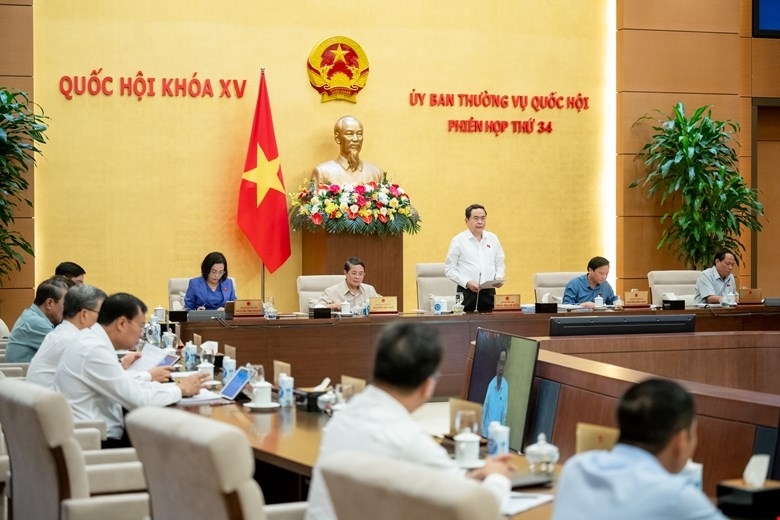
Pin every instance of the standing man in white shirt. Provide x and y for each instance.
(80, 311)
(475, 256)
(95, 383)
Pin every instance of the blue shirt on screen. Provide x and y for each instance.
(494, 408)
(199, 294)
(578, 290)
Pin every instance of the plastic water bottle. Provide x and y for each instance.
(437, 307)
(154, 331)
(286, 385)
(229, 368)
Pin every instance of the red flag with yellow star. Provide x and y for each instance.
(262, 201)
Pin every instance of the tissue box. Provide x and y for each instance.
(306, 399)
(736, 499)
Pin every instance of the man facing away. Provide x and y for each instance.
(347, 168)
(475, 256)
(37, 320)
(639, 478)
(716, 281)
(95, 383)
(379, 421)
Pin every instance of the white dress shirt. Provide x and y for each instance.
(340, 293)
(97, 387)
(375, 422)
(44, 363)
(469, 259)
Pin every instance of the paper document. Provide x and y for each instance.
(203, 397)
(490, 284)
(519, 502)
(151, 357)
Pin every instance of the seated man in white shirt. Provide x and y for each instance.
(639, 478)
(94, 381)
(352, 290)
(718, 280)
(378, 420)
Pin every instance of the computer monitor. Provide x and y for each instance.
(517, 379)
(592, 325)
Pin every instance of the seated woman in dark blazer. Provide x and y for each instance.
(213, 288)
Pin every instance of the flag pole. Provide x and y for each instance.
(262, 281)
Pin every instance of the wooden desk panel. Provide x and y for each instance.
(319, 348)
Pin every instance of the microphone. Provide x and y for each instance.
(479, 288)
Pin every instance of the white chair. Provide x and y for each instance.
(681, 283)
(312, 286)
(431, 281)
(177, 287)
(363, 485)
(4, 332)
(51, 476)
(200, 468)
(553, 283)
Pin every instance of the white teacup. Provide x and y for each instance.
(206, 368)
(261, 392)
(467, 449)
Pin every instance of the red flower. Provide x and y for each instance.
(360, 189)
(316, 219)
(334, 188)
(382, 218)
(361, 200)
(367, 218)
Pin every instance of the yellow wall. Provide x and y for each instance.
(138, 191)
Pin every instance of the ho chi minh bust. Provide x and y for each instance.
(347, 168)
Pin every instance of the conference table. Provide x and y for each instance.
(286, 444)
(345, 346)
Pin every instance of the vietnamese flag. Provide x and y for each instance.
(262, 201)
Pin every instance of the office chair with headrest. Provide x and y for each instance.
(553, 283)
(363, 485)
(681, 282)
(312, 286)
(432, 283)
(197, 467)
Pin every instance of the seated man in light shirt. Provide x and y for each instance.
(352, 290)
(37, 320)
(379, 421)
(95, 383)
(80, 311)
(584, 289)
(639, 478)
(718, 280)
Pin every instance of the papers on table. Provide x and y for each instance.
(203, 397)
(519, 502)
(151, 357)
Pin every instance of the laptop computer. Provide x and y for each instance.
(526, 479)
(205, 315)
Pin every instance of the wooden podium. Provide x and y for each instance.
(324, 253)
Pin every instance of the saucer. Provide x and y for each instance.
(212, 383)
(261, 406)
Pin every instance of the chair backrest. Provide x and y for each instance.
(4, 332)
(47, 464)
(312, 286)
(431, 281)
(681, 283)
(176, 289)
(595, 437)
(363, 485)
(553, 283)
(195, 467)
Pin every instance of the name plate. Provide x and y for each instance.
(247, 308)
(506, 302)
(635, 297)
(383, 304)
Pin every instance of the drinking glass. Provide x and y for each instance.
(258, 374)
(466, 421)
(458, 298)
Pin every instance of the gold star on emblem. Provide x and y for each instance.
(339, 53)
(264, 175)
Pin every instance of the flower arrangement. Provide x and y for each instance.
(363, 209)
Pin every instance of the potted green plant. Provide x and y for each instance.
(690, 162)
(21, 129)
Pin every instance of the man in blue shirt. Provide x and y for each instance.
(639, 479)
(584, 289)
(718, 280)
(496, 397)
(37, 320)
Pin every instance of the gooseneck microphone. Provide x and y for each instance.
(479, 288)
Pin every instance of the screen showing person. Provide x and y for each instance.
(515, 358)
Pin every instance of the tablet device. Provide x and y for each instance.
(240, 379)
(168, 360)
